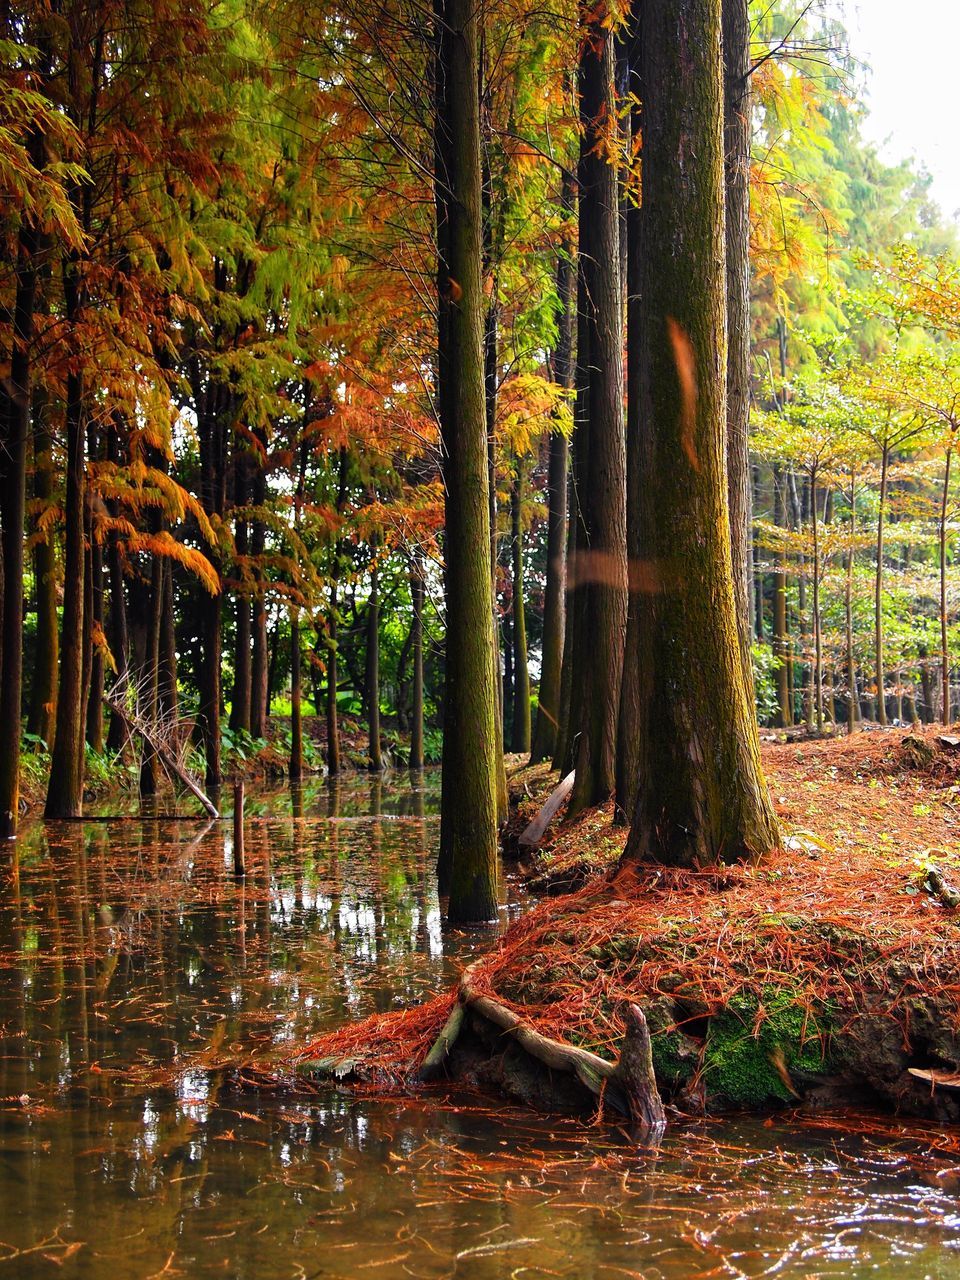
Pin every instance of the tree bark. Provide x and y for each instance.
(878, 589)
(736, 137)
(13, 495)
(548, 698)
(944, 645)
(43, 693)
(520, 737)
(853, 702)
(629, 728)
(781, 638)
(64, 789)
(701, 795)
(296, 714)
(373, 669)
(602, 565)
(468, 816)
(416, 715)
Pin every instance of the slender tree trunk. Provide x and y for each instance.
(416, 716)
(701, 795)
(520, 740)
(548, 699)
(853, 702)
(240, 695)
(43, 693)
(13, 480)
(97, 668)
(149, 682)
(296, 714)
(736, 135)
(944, 645)
(781, 638)
(169, 698)
(373, 669)
(468, 818)
(604, 565)
(65, 789)
(878, 590)
(817, 641)
(333, 727)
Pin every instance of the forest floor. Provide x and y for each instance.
(821, 974)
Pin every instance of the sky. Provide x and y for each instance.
(913, 89)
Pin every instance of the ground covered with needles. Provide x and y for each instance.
(827, 974)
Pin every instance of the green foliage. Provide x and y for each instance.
(765, 667)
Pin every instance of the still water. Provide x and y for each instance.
(133, 965)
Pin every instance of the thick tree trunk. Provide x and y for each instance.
(548, 698)
(736, 137)
(468, 822)
(602, 566)
(16, 401)
(416, 715)
(629, 728)
(701, 796)
(520, 736)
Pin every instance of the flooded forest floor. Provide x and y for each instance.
(826, 975)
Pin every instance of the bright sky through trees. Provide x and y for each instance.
(912, 83)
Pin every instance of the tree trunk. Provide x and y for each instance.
(701, 795)
(736, 137)
(43, 692)
(149, 682)
(416, 715)
(548, 698)
(240, 695)
(603, 567)
(333, 727)
(169, 698)
(944, 645)
(878, 590)
(781, 638)
(65, 789)
(520, 738)
(468, 815)
(13, 494)
(629, 727)
(296, 715)
(817, 642)
(853, 703)
(373, 669)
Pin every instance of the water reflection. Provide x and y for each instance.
(134, 965)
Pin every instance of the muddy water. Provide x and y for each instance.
(132, 963)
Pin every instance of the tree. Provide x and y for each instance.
(600, 567)
(701, 796)
(468, 817)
